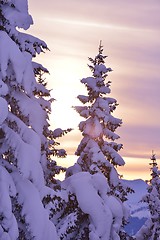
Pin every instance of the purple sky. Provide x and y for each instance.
(130, 33)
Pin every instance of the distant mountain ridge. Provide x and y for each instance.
(139, 211)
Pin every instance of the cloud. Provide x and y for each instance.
(130, 33)
(136, 14)
(140, 140)
(135, 168)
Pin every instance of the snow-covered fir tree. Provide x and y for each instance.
(151, 229)
(93, 182)
(26, 142)
(98, 151)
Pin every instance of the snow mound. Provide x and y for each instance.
(91, 192)
(3, 110)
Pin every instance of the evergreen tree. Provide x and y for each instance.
(151, 229)
(93, 182)
(26, 142)
(98, 151)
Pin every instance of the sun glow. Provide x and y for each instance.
(63, 115)
(135, 168)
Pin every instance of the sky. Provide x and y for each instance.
(130, 34)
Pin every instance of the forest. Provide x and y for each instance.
(91, 202)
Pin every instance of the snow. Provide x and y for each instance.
(83, 99)
(28, 156)
(115, 121)
(22, 120)
(3, 87)
(30, 107)
(114, 177)
(102, 103)
(18, 16)
(117, 211)
(90, 203)
(35, 64)
(138, 210)
(31, 137)
(73, 170)
(70, 219)
(91, 193)
(28, 76)
(100, 183)
(83, 111)
(25, 181)
(3, 110)
(109, 134)
(100, 114)
(32, 209)
(104, 89)
(57, 132)
(93, 84)
(93, 127)
(28, 135)
(21, 62)
(8, 222)
(32, 45)
(144, 231)
(116, 158)
(99, 69)
(98, 158)
(13, 54)
(89, 81)
(140, 190)
(95, 152)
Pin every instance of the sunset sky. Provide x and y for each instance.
(130, 34)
